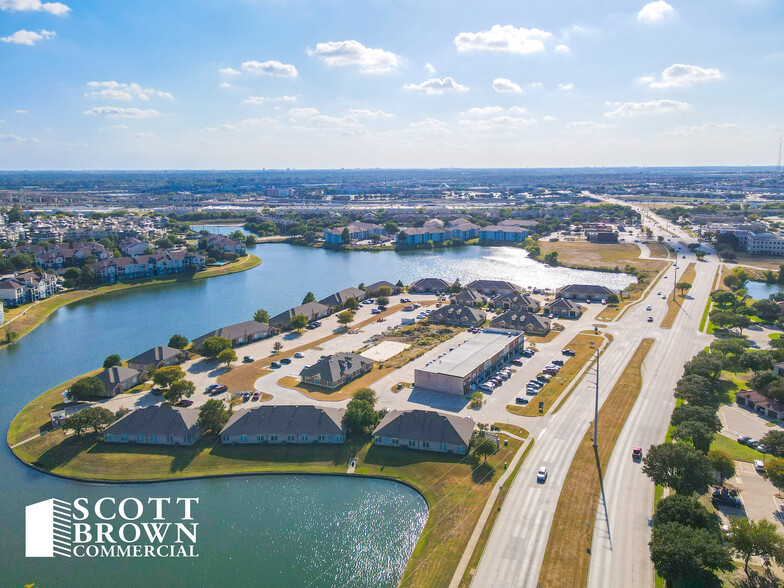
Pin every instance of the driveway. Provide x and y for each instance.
(740, 421)
(757, 494)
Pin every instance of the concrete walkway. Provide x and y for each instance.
(480, 524)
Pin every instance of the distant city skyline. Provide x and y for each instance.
(251, 84)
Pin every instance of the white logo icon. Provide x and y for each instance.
(48, 529)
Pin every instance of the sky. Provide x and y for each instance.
(252, 84)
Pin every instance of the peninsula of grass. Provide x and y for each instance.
(659, 250)
(25, 319)
(568, 551)
(673, 302)
(551, 391)
(456, 487)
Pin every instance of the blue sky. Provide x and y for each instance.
(389, 83)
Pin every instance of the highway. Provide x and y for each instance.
(515, 549)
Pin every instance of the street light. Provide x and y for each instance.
(596, 404)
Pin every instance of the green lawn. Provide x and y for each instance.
(734, 449)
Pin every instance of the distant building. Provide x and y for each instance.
(493, 287)
(760, 403)
(602, 236)
(430, 286)
(118, 379)
(239, 334)
(223, 243)
(372, 290)
(157, 357)
(507, 233)
(563, 307)
(338, 300)
(357, 231)
(458, 315)
(311, 310)
(285, 424)
(425, 430)
(418, 236)
(26, 287)
(516, 301)
(335, 370)
(527, 322)
(471, 298)
(156, 425)
(586, 292)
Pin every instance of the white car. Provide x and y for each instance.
(299, 355)
(648, 307)
(541, 475)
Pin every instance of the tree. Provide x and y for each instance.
(345, 236)
(178, 342)
(484, 446)
(391, 228)
(551, 258)
(179, 389)
(733, 345)
(382, 300)
(77, 422)
(166, 376)
(15, 214)
(774, 472)
(361, 416)
(678, 467)
(683, 286)
(722, 464)
(261, 316)
(761, 380)
(685, 510)
(705, 364)
(695, 389)
(722, 318)
(309, 297)
(277, 347)
(700, 254)
(213, 415)
(346, 317)
(700, 434)
(774, 443)
(766, 309)
(749, 538)
(384, 291)
(685, 556)
(456, 287)
(351, 304)
(741, 322)
(212, 346)
(84, 388)
(399, 284)
(689, 412)
(227, 356)
(98, 417)
(724, 298)
(299, 322)
(11, 336)
(477, 399)
(111, 361)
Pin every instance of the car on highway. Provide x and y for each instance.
(649, 307)
(658, 293)
(541, 475)
(636, 453)
(299, 355)
(650, 319)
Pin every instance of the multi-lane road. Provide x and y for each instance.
(515, 550)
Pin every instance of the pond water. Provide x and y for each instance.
(760, 290)
(260, 531)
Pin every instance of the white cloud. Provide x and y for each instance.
(228, 71)
(429, 68)
(566, 87)
(431, 125)
(708, 127)
(287, 98)
(118, 91)
(496, 122)
(56, 8)
(437, 86)
(119, 127)
(548, 118)
(354, 53)
(587, 125)
(563, 49)
(225, 85)
(270, 68)
(25, 37)
(536, 85)
(243, 125)
(655, 12)
(680, 76)
(486, 111)
(364, 113)
(118, 112)
(629, 109)
(18, 139)
(502, 85)
(302, 113)
(254, 100)
(508, 39)
(258, 100)
(20, 111)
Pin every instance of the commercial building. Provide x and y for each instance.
(156, 425)
(425, 430)
(310, 310)
(285, 424)
(335, 370)
(155, 358)
(481, 354)
(239, 334)
(118, 379)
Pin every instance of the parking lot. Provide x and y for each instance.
(737, 420)
(757, 495)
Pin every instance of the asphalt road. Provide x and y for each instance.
(515, 549)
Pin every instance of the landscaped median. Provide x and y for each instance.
(25, 319)
(567, 556)
(673, 305)
(549, 394)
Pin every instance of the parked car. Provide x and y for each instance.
(246, 396)
(568, 352)
(636, 453)
(517, 362)
(157, 391)
(752, 442)
(743, 438)
(521, 400)
(299, 355)
(375, 311)
(487, 386)
(527, 353)
(543, 377)
(219, 389)
(557, 362)
(275, 365)
(310, 327)
(382, 308)
(185, 402)
(285, 360)
(759, 465)
(541, 475)
(761, 448)
(210, 388)
(255, 395)
(248, 359)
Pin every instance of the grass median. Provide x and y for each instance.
(551, 391)
(567, 555)
(673, 304)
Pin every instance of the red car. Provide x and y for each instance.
(185, 403)
(637, 453)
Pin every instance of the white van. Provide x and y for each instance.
(759, 465)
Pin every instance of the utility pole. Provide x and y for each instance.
(596, 404)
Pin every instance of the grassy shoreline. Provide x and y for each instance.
(30, 317)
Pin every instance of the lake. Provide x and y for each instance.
(760, 290)
(258, 530)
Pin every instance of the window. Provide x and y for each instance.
(259, 438)
(304, 437)
(124, 437)
(331, 437)
(461, 448)
(153, 438)
(291, 438)
(425, 444)
(140, 438)
(273, 437)
(443, 447)
(340, 438)
(170, 439)
(243, 437)
(395, 441)
(225, 437)
(322, 437)
(411, 443)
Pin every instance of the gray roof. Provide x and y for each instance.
(307, 420)
(115, 375)
(162, 419)
(458, 313)
(307, 309)
(156, 354)
(431, 283)
(562, 304)
(515, 299)
(246, 329)
(584, 289)
(332, 367)
(470, 296)
(513, 319)
(426, 425)
(340, 298)
(374, 287)
(498, 285)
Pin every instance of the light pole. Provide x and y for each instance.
(596, 404)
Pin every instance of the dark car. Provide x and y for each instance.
(558, 362)
(274, 364)
(521, 400)
(219, 389)
(185, 403)
(382, 308)
(285, 360)
(568, 352)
